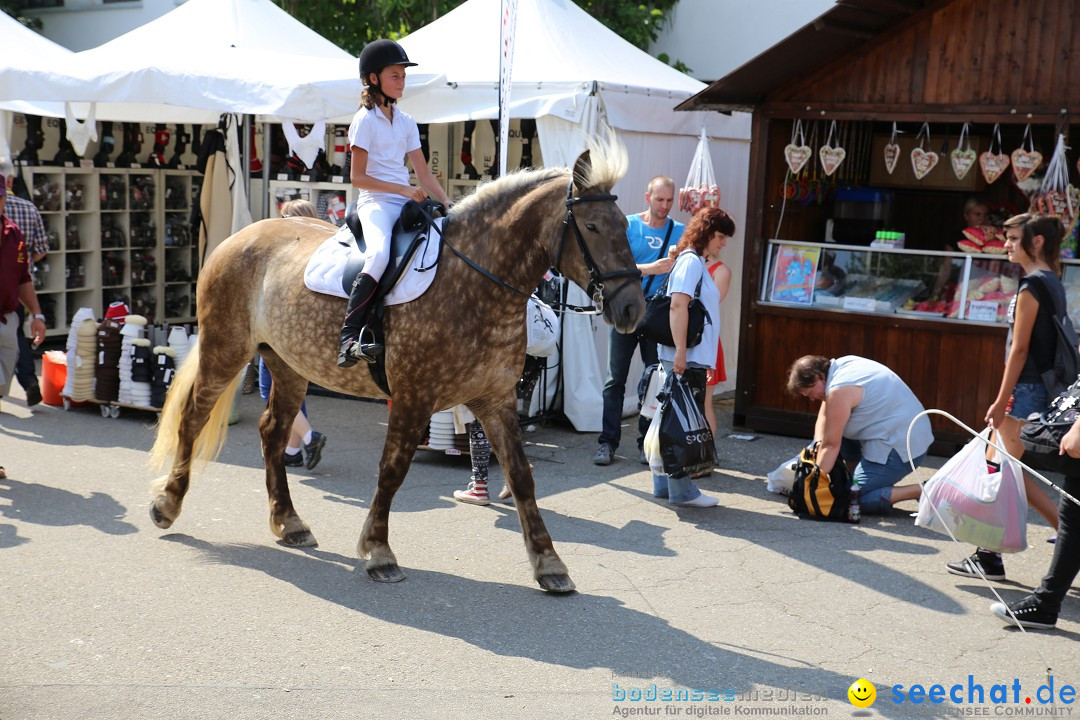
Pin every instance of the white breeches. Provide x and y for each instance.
(378, 221)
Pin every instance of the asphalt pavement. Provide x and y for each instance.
(739, 610)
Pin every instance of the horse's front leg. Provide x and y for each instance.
(501, 425)
(408, 419)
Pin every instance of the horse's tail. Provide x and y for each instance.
(211, 438)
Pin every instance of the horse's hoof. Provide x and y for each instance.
(386, 574)
(300, 538)
(556, 583)
(158, 518)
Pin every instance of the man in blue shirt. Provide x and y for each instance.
(650, 233)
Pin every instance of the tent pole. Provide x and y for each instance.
(245, 161)
(266, 171)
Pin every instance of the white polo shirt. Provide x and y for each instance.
(386, 144)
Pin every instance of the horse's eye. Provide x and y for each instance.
(591, 227)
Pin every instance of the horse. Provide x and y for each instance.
(462, 342)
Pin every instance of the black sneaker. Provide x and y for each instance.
(989, 562)
(294, 460)
(33, 396)
(313, 450)
(604, 455)
(1028, 614)
(641, 457)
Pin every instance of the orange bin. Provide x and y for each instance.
(53, 377)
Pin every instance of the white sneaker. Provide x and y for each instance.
(702, 501)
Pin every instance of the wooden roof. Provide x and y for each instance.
(938, 55)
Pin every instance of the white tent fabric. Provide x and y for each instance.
(204, 58)
(574, 76)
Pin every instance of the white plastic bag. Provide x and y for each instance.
(651, 402)
(782, 478)
(700, 189)
(980, 507)
(542, 325)
(651, 446)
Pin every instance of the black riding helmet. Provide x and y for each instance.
(379, 54)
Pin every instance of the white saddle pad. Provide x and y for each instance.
(324, 270)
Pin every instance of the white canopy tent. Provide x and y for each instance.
(572, 74)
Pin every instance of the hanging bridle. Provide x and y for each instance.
(597, 279)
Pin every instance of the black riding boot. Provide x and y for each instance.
(352, 347)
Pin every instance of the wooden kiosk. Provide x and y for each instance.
(929, 69)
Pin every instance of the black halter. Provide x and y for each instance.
(596, 283)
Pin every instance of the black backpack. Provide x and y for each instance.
(1066, 366)
(818, 495)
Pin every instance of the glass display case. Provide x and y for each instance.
(959, 286)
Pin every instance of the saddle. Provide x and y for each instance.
(412, 229)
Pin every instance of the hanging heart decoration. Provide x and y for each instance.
(892, 155)
(796, 155)
(993, 164)
(797, 152)
(892, 152)
(831, 156)
(1025, 162)
(923, 161)
(962, 158)
(962, 162)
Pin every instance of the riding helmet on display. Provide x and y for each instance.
(379, 54)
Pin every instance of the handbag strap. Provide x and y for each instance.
(663, 249)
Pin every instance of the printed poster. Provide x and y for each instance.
(794, 274)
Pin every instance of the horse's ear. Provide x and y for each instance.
(582, 168)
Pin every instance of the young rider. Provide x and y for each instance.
(381, 137)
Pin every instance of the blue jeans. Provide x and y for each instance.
(875, 480)
(265, 382)
(1028, 399)
(620, 354)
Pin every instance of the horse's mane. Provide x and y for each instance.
(608, 164)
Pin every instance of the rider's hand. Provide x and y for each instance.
(415, 193)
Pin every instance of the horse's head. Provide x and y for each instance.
(594, 251)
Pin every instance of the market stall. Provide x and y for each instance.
(876, 129)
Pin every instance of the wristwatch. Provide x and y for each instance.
(39, 316)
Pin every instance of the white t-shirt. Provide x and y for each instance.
(387, 144)
(689, 269)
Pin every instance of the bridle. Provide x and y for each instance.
(596, 278)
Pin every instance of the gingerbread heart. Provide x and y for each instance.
(892, 154)
(1024, 163)
(993, 165)
(796, 155)
(831, 157)
(962, 162)
(923, 161)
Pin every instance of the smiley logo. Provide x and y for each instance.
(862, 694)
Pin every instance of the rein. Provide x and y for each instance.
(596, 284)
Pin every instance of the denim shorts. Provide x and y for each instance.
(1027, 398)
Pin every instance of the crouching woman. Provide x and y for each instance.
(863, 420)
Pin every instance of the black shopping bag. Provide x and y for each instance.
(686, 442)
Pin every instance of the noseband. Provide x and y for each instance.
(597, 279)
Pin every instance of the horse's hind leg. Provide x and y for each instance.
(408, 418)
(501, 425)
(286, 395)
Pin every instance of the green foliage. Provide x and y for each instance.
(351, 24)
(11, 7)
